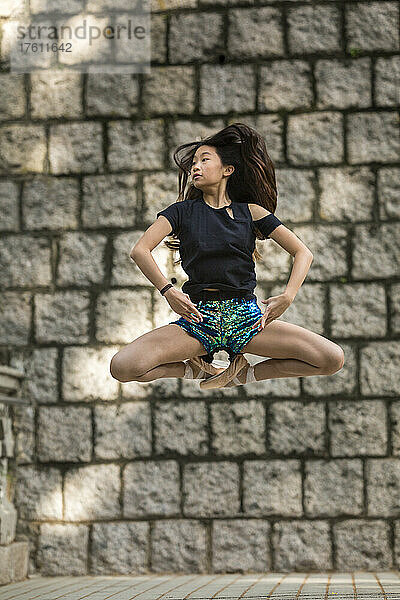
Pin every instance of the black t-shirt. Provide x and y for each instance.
(216, 250)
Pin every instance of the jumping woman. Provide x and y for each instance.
(230, 201)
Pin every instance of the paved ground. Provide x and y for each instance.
(311, 586)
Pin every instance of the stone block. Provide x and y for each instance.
(13, 562)
(238, 428)
(151, 488)
(357, 428)
(266, 482)
(296, 428)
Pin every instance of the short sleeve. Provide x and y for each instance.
(173, 214)
(267, 224)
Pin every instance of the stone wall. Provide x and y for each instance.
(286, 474)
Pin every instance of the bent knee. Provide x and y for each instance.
(123, 372)
(334, 361)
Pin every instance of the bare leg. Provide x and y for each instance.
(175, 369)
(157, 354)
(294, 351)
(285, 367)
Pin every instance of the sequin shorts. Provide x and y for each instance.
(227, 325)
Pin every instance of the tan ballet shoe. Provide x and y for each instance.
(230, 373)
(200, 369)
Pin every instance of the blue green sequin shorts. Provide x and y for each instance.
(227, 325)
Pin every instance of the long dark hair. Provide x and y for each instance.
(252, 181)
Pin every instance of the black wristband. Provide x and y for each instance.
(165, 288)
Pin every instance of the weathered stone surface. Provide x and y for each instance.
(125, 270)
(179, 546)
(44, 6)
(376, 250)
(135, 146)
(380, 381)
(240, 545)
(388, 185)
(122, 431)
(372, 26)
(50, 203)
(62, 549)
(274, 261)
(15, 317)
(81, 259)
(395, 426)
(362, 544)
(101, 498)
(64, 434)
(172, 4)
(246, 32)
(159, 192)
(24, 433)
(181, 428)
(40, 382)
(387, 81)
(195, 36)
(315, 138)
(370, 317)
(357, 428)
(328, 245)
(119, 548)
(266, 482)
(297, 194)
(373, 136)
(226, 88)
(343, 83)
(151, 488)
(23, 148)
(333, 488)
(86, 375)
(62, 317)
(347, 194)
(309, 308)
(24, 261)
(12, 96)
(211, 489)
(76, 148)
(38, 493)
(56, 94)
(271, 128)
(238, 428)
(122, 316)
(313, 29)
(13, 562)
(109, 201)
(112, 94)
(296, 428)
(383, 483)
(285, 85)
(9, 193)
(302, 546)
(158, 25)
(169, 90)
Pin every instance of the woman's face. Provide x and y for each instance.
(206, 168)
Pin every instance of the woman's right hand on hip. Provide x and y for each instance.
(182, 304)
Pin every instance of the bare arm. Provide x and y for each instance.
(141, 252)
(289, 241)
(141, 255)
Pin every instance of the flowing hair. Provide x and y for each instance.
(252, 181)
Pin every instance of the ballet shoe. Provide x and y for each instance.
(227, 375)
(197, 368)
